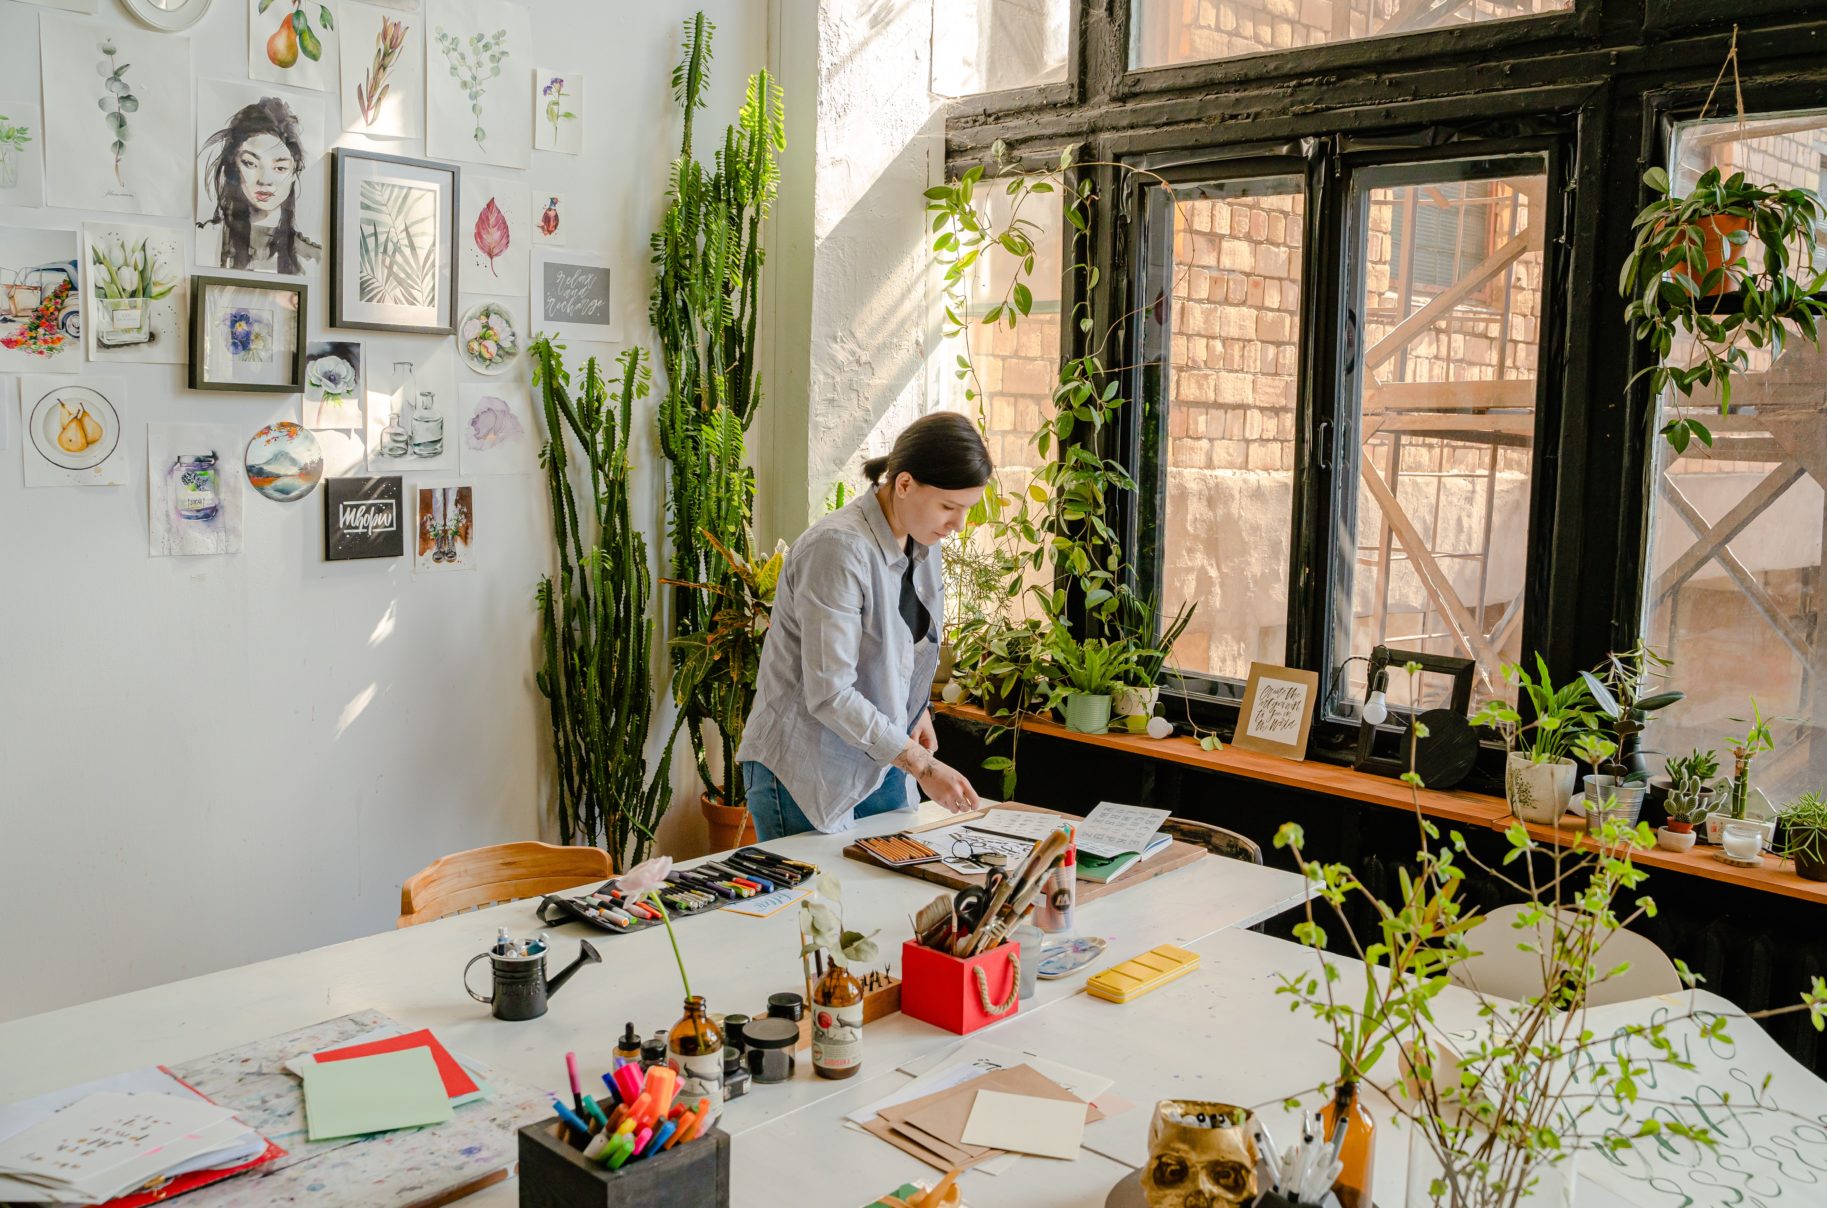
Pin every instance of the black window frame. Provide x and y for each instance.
(1598, 80)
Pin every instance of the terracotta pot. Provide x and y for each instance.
(1680, 828)
(1719, 250)
(731, 826)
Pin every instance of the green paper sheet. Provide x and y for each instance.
(374, 1094)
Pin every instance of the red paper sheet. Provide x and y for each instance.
(456, 1080)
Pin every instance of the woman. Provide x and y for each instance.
(840, 717)
(253, 178)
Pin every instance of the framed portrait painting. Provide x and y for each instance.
(246, 335)
(393, 253)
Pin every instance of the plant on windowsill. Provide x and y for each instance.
(1690, 798)
(1755, 741)
(1538, 774)
(1805, 835)
(1691, 249)
(1086, 674)
(1495, 1110)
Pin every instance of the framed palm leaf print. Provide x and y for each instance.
(393, 262)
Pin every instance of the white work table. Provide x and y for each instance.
(735, 961)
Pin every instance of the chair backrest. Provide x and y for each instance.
(1215, 839)
(1500, 970)
(505, 872)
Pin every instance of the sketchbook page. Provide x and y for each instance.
(1112, 830)
(1021, 824)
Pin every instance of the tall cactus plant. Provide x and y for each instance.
(707, 257)
(595, 629)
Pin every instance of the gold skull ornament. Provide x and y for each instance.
(1198, 1165)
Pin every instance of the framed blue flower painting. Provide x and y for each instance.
(246, 335)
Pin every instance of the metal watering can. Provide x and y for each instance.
(521, 986)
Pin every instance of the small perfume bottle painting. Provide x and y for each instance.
(444, 538)
(284, 462)
(194, 492)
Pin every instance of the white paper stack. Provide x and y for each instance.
(89, 1146)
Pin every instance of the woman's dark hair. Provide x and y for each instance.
(942, 450)
(268, 115)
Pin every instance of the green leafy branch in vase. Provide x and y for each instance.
(295, 35)
(473, 67)
(118, 102)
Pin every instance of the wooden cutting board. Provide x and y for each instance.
(1175, 855)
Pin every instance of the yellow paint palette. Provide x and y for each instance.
(1150, 971)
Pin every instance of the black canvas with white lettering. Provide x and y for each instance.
(363, 518)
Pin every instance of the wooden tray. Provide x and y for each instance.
(1175, 856)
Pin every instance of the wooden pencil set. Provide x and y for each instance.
(898, 850)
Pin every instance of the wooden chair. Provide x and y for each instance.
(1215, 839)
(1500, 970)
(483, 876)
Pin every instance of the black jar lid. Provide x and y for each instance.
(786, 1005)
(771, 1034)
(732, 1030)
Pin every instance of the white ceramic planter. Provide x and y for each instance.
(1669, 840)
(1135, 702)
(1538, 792)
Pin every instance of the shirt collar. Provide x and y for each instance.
(892, 551)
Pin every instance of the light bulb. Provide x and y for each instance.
(1376, 708)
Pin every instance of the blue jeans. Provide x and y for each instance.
(777, 815)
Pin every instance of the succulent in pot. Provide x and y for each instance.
(1805, 835)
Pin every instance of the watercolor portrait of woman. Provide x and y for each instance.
(251, 174)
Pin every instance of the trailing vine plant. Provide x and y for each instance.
(1053, 542)
(596, 634)
(707, 257)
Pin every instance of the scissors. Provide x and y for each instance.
(972, 900)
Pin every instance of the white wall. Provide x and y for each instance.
(208, 761)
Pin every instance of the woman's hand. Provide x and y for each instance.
(923, 732)
(945, 785)
(948, 786)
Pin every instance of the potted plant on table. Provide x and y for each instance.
(1805, 835)
(1087, 674)
(1136, 698)
(1538, 773)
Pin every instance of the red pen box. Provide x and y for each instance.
(960, 995)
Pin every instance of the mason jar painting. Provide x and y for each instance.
(193, 486)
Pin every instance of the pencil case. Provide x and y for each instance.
(1139, 975)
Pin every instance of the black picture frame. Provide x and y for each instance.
(340, 274)
(200, 286)
(379, 491)
(1448, 731)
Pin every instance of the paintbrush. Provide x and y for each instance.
(934, 921)
(1024, 884)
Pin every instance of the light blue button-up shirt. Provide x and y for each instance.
(842, 680)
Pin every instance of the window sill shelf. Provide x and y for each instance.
(1464, 809)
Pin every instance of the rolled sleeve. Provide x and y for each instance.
(830, 598)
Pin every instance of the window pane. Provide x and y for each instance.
(1441, 400)
(1234, 338)
(1191, 31)
(1017, 369)
(1736, 593)
(996, 45)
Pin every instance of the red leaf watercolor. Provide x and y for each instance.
(491, 233)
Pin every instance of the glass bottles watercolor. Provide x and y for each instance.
(427, 426)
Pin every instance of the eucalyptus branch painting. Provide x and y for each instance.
(559, 97)
(383, 71)
(122, 116)
(398, 259)
(299, 50)
(475, 106)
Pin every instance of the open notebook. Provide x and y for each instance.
(1111, 839)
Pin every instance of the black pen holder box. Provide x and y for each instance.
(553, 1175)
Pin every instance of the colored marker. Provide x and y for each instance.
(686, 1123)
(624, 1149)
(577, 1089)
(594, 1111)
(660, 1137)
(580, 1132)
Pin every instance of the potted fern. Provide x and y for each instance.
(1087, 674)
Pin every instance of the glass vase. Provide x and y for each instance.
(694, 1048)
